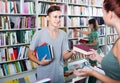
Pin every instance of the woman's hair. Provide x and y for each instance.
(94, 22)
(112, 5)
(53, 8)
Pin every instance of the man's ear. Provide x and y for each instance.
(47, 17)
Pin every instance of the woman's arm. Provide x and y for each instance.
(84, 32)
(103, 78)
(92, 44)
(90, 72)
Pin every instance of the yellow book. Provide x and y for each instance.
(27, 79)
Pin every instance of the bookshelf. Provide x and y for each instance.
(15, 20)
(17, 26)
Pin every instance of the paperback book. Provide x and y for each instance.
(78, 64)
(44, 50)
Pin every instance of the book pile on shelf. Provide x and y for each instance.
(78, 10)
(13, 7)
(13, 53)
(15, 67)
(17, 22)
(27, 79)
(77, 21)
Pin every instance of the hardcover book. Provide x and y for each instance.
(83, 41)
(82, 48)
(44, 49)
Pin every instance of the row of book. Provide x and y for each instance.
(111, 39)
(78, 10)
(110, 31)
(54, 0)
(42, 20)
(86, 2)
(16, 67)
(102, 41)
(84, 11)
(13, 53)
(102, 30)
(77, 21)
(13, 7)
(73, 33)
(12, 38)
(8, 7)
(17, 22)
(42, 9)
(26, 79)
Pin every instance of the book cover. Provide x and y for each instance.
(44, 49)
(78, 64)
(82, 48)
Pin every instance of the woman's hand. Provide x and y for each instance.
(84, 72)
(95, 56)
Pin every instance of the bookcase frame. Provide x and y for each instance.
(20, 7)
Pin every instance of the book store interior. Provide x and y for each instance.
(59, 41)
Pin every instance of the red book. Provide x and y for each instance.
(83, 41)
(82, 48)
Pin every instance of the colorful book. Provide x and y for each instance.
(44, 49)
(82, 48)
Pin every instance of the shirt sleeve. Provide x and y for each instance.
(65, 45)
(34, 41)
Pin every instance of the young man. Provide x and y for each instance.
(58, 39)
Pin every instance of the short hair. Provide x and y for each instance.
(53, 8)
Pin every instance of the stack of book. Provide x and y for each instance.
(44, 50)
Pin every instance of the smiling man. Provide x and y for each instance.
(58, 39)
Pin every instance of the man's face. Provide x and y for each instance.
(54, 18)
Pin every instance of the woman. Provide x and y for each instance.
(92, 34)
(92, 41)
(111, 62)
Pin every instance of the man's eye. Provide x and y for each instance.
(60, 16)
(55, 16)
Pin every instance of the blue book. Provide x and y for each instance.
(43, 50)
